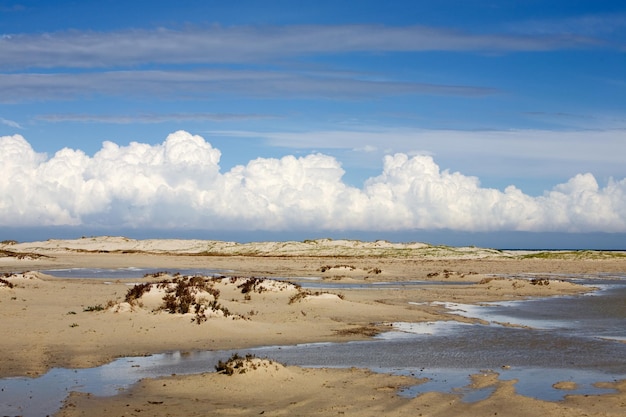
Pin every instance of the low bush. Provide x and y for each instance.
(5, 283)
(251, 285)
(234, 364)
(136, 292)
(540, 281)
(97, 307)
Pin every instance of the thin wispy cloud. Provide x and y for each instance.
(203, 83)
(149, 118)
(488, 152)
(595, 25)
(242, 44)
(10, 123)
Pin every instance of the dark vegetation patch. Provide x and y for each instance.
(447, 274)
(250, 285)
(21, 255)
(325, 268)
(159, 274)
(302, 294)
(237, 364)
(136, 292)
(5, 283)
(369, 331)
(97, 307)
(579, 254)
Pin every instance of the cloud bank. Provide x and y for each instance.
(178, 184)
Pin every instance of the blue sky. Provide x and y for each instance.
(327, 117)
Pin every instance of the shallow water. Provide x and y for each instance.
(572, 339)
(306, 282)
(130, 272)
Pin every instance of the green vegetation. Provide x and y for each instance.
(581, 254)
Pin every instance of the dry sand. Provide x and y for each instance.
(45, 324)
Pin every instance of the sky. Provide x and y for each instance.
(498, 123)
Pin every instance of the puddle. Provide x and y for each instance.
(44, 395)
(407, 330)
(536, 383)
(313, 283)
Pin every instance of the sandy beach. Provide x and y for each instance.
(254, 300)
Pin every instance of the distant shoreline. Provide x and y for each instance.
(496, 240)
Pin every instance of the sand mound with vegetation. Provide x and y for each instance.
(237, 365)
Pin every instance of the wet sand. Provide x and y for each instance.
(46, 325)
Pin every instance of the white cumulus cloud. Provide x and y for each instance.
(179, 184)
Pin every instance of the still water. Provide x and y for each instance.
(577, 338)
(130, 272)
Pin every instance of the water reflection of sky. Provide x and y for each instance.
(531, 382)
(129, 272)
(314, 283)
(602, 315)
